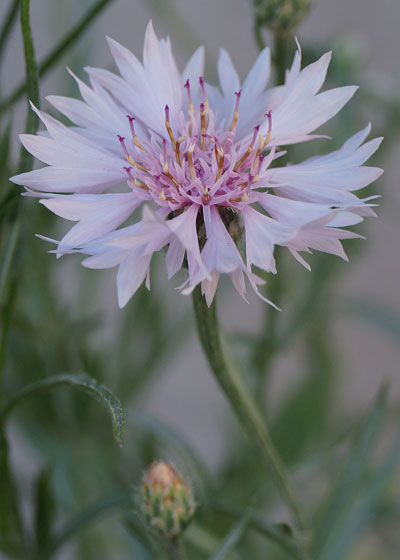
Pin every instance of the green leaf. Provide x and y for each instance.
(345, 490)
(58, 51)
(358, 518)
(44, 512)
(11, 533)
(232, 538)
(307, 407)
(280, 534)
(91, 513)
(81, 382)
(374, 313)
(8, 24)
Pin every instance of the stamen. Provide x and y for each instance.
(168, 127)
(135, 139)
(190, 106)
(206, 105)
(134, 180)
(248, 151)
(172, 178)
(236, 112)
(122, 142)
(219, 155)
(258, 168)
(177, 148)
(165, 164)
(128, 170)
(189, 94)
(162, 195)
(203, 127)
(190, 161)
(206, 196)
(269, 133)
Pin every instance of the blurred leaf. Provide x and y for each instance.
(357, 519)
(11, 534)
(233, 537)
(44, 512)
(308, 407)
(81, 382)
(345, 490)
(281, 534)
(56, 53)
(8, 24)
(376, 314)
(175, 444)
(90, 514)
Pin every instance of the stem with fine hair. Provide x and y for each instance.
(241, 399)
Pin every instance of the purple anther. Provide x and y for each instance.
(259, 164)
(202, 87)
(131, 119)
(238, 94)
(269, 117)
(128, 170)
(256, 129)
(122, 142)
(187, 86)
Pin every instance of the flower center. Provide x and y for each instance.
(201, 162)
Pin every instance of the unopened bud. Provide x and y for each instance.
(281, 15)
(166, 500)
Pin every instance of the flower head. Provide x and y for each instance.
(200, 160)
(166, 500)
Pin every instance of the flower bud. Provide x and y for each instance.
(166, 500)
(281, 15)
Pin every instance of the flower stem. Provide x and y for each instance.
(174, 551)
(241, 399)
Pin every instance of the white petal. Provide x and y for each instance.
(60, 180)
(131, 273)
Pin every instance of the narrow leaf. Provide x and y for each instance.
(348, 484)
(361, 515)
(11, 533)
(44, 511)
(81, 382)
(232, 538)
(59, 50)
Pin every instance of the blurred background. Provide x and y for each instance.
(335, 342)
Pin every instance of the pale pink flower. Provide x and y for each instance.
(200, 160)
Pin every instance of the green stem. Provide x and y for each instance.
(282, 40)
(258, 35)
(32, 81)
(240, 399)
(53, 57)
(173, 549)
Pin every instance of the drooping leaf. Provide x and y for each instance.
(82, 382)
